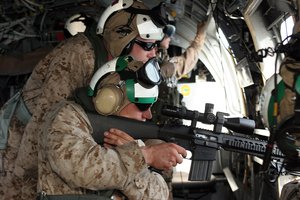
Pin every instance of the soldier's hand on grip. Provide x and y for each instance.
(164, 156)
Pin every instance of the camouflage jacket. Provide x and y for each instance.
(71, 162)
(69, 66)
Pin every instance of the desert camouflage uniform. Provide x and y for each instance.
(71, 162)
(70, 65)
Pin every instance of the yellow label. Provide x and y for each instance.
(185, 90)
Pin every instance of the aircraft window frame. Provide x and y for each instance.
(286, 28)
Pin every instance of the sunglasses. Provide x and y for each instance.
(147, 46)
(143, 106)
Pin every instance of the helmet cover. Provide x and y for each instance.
(123, 27)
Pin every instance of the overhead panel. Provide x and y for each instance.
(196, 10)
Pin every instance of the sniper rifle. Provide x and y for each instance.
(201, 142)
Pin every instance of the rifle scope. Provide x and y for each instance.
(236, 124)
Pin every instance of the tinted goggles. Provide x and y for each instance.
(143, 106)
(147, 46)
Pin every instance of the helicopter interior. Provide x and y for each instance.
(238, 57)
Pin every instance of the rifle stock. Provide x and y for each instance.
(201, 142)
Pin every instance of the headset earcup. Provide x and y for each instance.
(108, 99)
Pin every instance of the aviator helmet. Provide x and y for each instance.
(122, 81)
(120, 27)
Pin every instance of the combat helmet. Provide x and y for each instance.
(124, 80)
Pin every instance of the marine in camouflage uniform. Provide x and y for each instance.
(93, 169)
(70, 65)
(52, 80)
(71, 162)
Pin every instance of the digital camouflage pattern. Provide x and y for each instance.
(69, 66)
(71, 162)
